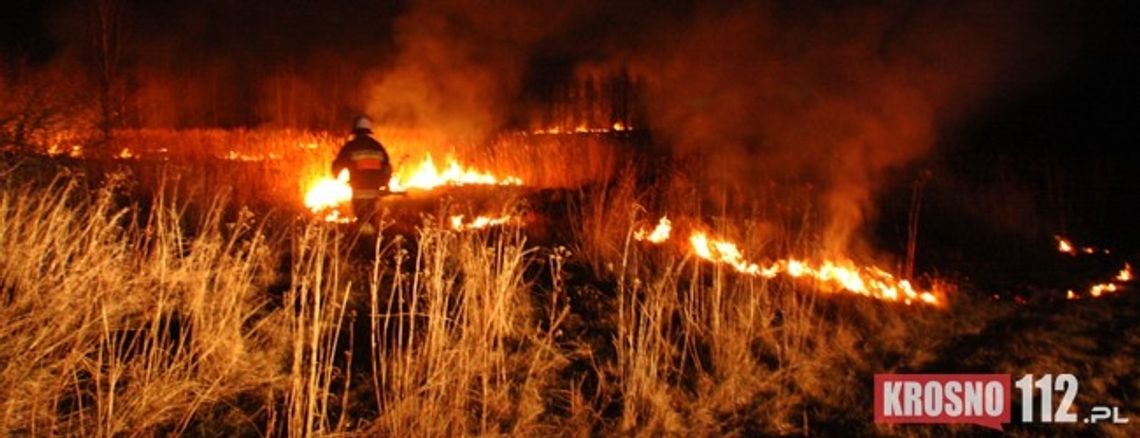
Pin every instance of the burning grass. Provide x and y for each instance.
(116, 310)
(283, 165)
(841, 274)
(327, 197)
(120, 321)
(176, 317)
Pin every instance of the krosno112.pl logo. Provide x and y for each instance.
(982, 399)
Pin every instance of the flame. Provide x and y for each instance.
(1114, 285)
(1064, 246)
(846, 275)
(479, 222)
(426, 177)
(233, 155)
(659, 234)
(125, 154)
(1097, 289)
(617, 126)
(327, 195)
(1125, 274)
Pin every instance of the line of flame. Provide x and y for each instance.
(427, 176)
(1098, 290)
(326, 196)
(845, 275)
(868, 281)
(584, 129)
(479, 222)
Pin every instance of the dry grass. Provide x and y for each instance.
(275, 167)
(110, 327)
(184, 317)
(119, 324)
(115, 323)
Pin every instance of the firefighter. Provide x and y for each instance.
(369, 171)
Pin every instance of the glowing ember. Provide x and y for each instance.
(326, 196)
(426, 177)
(1125, 274)
(1066, 246)
(249, 158)
(1098, 289)
(479, 222)
(585, 129)
(659, 234)
(125, 154)
(1070, 295)
(844, 275)
(1115, 285)
(1063, 245)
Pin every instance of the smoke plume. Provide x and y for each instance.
(839, 96)
(747, 93)
(740, 93)
(460, 64)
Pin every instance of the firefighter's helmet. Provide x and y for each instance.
(362, 123)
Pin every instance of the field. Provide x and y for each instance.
(177, 286)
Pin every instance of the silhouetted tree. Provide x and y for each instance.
(106, 35)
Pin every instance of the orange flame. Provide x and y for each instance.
(233, 155)
(1125, 274)
(1064, 246)
(1114, 285)
(479, 222)
(584, 129)
(844, 275)
(426, 177)
(1098, 289)
(326, 196)
(659, 234)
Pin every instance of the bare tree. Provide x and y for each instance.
(106, 21)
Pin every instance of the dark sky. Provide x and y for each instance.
(38, 29)
(1095, 78)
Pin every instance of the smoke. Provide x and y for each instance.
(838, 97)
(741, 93)
(461, 64)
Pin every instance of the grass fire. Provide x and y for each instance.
(630, 218)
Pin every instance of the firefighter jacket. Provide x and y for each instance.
(369, 169)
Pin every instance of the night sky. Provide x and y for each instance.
(1089, 88)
